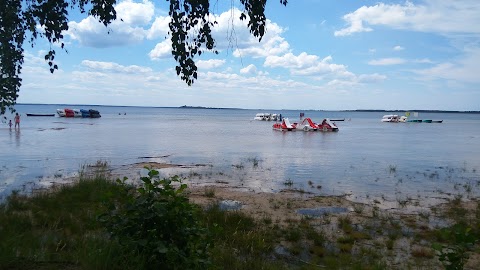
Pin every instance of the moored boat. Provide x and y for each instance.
(285, 125)
(391, 118)
(85, 113)
(306, 125)
(259, 117)
(77, 113)
(94, 113)
(69, 112)
(61, 112)
(327, 125)
(40, 114)
(267, 117)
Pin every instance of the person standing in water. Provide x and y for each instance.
(10, 123)
(17, 120)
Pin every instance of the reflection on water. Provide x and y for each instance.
(17, 137)
(366, 160)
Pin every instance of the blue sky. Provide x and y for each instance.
(316, 54)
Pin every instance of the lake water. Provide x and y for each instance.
(367, 159)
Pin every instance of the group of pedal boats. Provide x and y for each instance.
(78, 113)
(306, 125)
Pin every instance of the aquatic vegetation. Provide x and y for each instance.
(254, 161)
(289, 183)
(209, 192)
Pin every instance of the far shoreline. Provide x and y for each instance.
(263, 109)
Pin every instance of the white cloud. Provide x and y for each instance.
(423, 61)
(114, 67)
(126, 29)
(387, 61)
(89, 32)
(439, 16)
(162, 50)
(398, 48)
(135, 13)
(463, 70)
(159, 28)
(249, 70)
(232, 33)
(371, 78)
(209, 64)
(307, 65)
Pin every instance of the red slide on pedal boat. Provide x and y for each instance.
(284, 126)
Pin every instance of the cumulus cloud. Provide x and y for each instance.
(387, 62)
(135, 13)
(320, 69)
(127, 29)
(439, 16)
(209, 64)
(249, 70)
(114, 67)
(232, 33)
(159, 28)
(306, 65)
(162, 50)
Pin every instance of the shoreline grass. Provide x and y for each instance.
(60, 229)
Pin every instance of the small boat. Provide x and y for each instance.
(94, 114)
(327, 125)
(306, 125)
(392, 118)
(335, 120)
(414, 120)
(61, 112)
(260, 117)
(437, 121)
(427, 121)
(284, 125)
(40, 114)
(69, 113)
(85, 113)
(266, 117)
(77, 113)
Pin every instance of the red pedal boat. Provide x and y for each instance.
(284, 126)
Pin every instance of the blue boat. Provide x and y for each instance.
(85, 113)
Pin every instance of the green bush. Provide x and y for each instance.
(158, 222)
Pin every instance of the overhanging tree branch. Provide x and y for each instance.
(190, 31)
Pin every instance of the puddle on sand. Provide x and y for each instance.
(321, 211)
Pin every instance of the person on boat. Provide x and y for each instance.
(17, 120)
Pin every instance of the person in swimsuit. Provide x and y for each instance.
(17, 120)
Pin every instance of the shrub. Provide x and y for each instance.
(158, 222)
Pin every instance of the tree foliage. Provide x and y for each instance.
(190, 33)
